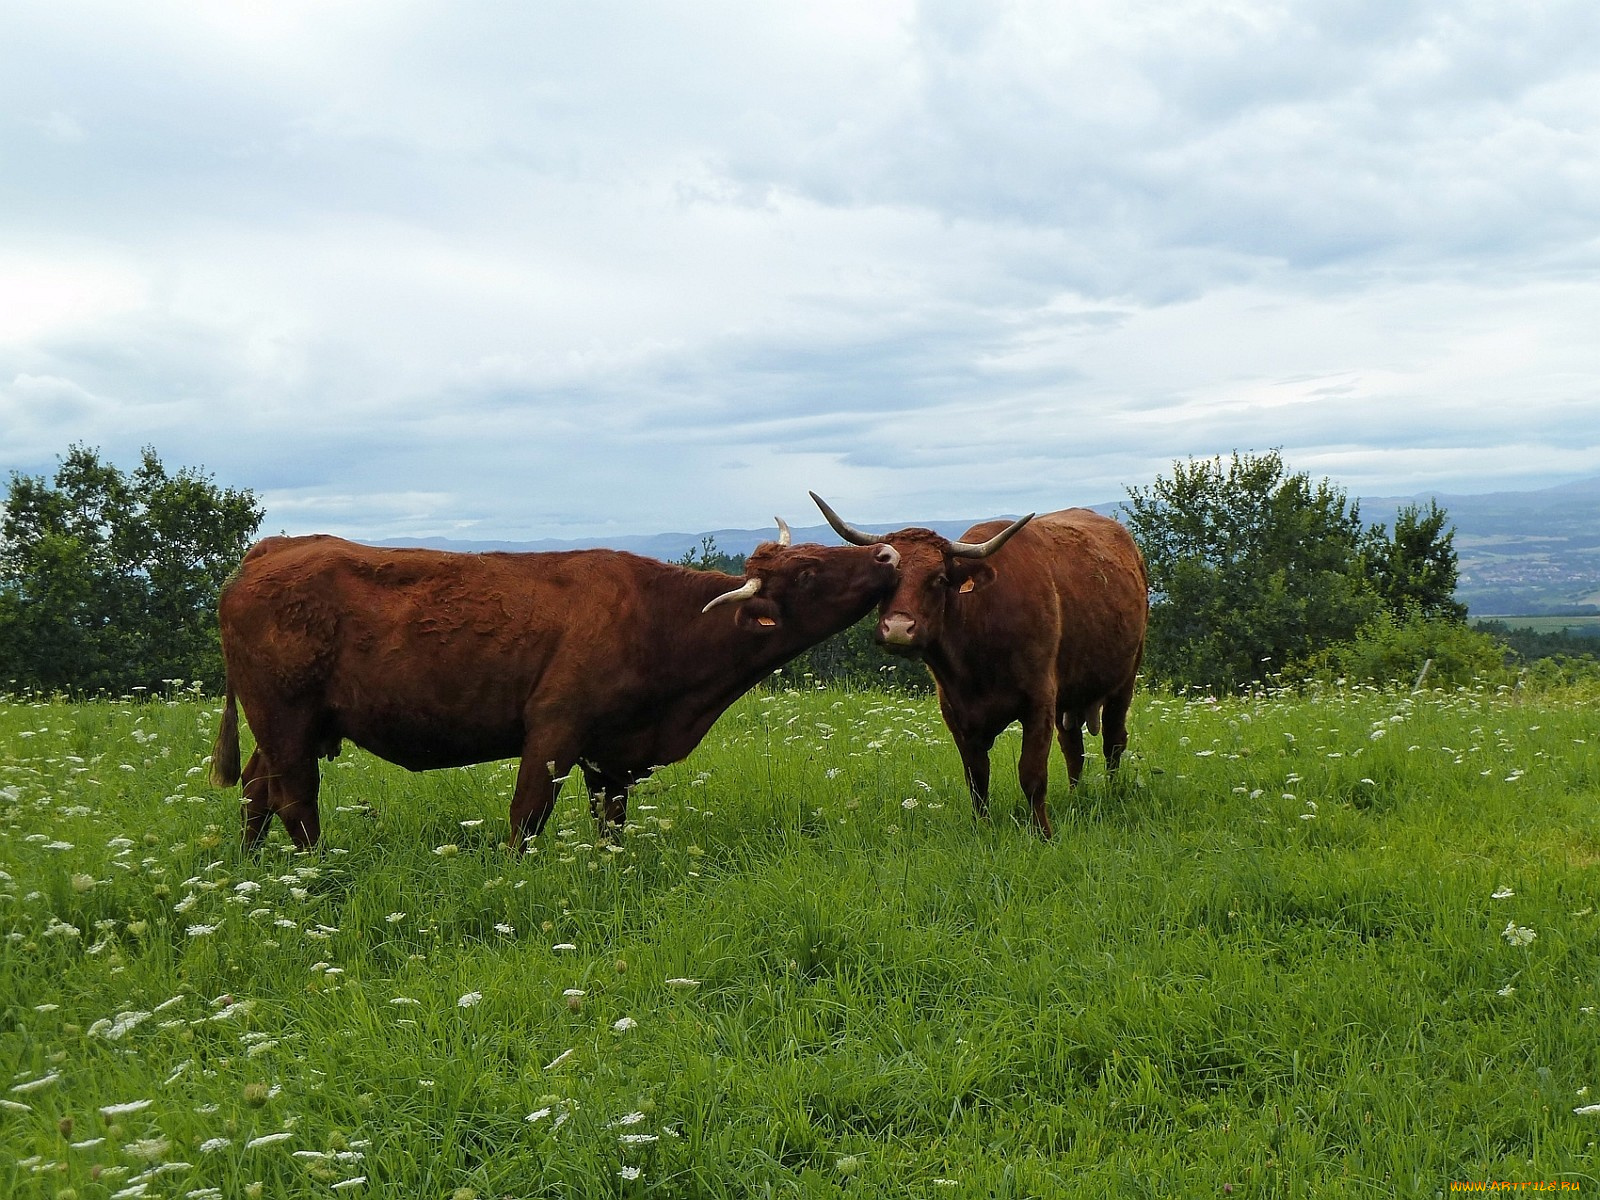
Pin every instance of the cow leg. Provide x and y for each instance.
(534, 796)
(1033, 770)
(1114, 718)
(974, 751)
(293, 794)
(608, 800)
(256, 804)
(1069, 731)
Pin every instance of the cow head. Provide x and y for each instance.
(810, 591)
(934, 574)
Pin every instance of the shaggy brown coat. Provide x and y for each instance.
(1047, 630)
(591, 658)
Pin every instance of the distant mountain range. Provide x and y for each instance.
(1519, 552)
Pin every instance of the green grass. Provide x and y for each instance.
(1268, 961)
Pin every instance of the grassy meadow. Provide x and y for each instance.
(1344, 944)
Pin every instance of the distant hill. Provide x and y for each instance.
(1520, 552)
(670, 546)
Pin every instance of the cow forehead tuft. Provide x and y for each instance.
(919, 548)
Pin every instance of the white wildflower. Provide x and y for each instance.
(632, 1118)
(563, 946)
(346, 1184)
(109, 1111)
(201, 930)
(213, 1144)
(639, 1139)
(623, 1024)
(469, 999)
(268, 1139)
(537, 1115)
(630, 1173)
(36, 1085)
(559, 1059)
(1517, 935)
(683, 983)
(1588, 1110)
(1502, 893)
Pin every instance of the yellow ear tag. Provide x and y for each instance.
(767, 621)
(966, 586)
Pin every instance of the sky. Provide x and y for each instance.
(578, 269)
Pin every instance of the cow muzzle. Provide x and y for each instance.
(898, 631)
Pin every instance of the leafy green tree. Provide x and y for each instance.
(109, 581)
(1252, 568)
(708, 558)
(1415, 570)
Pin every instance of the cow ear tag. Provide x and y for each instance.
(966, 586)
(768, 622)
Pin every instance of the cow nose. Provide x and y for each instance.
(887, 555)
(897, 629)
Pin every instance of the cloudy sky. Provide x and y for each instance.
(565, 269)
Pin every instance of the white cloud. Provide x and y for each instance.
(558, 270)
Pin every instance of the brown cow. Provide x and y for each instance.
(429, 659)
(1050, 633)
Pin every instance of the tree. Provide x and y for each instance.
(109, 582)
(1251, 569)
(709, 558)
(1415, 570)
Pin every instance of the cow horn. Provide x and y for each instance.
(783, 531)
(848, 532)
(984, 549)
(749, 588)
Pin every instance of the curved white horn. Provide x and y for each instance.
(749, 588)
(848, 532)
(783, 531)
(984, 549)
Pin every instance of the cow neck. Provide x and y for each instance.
(718, 656)
(966, 666)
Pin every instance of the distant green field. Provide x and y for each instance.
(1584, 624)
(1338, 946)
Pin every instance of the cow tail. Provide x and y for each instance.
(225, 752)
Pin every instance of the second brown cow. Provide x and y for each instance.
(1041, 621)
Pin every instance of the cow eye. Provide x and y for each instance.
(941, 581)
